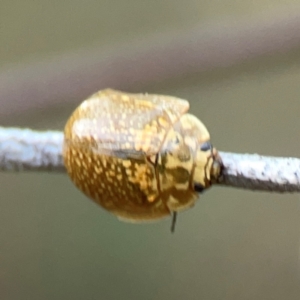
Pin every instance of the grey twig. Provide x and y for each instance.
(28, 150)
(264, 173)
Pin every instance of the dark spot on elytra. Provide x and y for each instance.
(180, 174)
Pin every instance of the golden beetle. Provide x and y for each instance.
(140, 156)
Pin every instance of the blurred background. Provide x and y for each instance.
(237, 62)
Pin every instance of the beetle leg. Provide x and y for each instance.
(174, 219)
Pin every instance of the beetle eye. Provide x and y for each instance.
(198, 187)
(206, 146)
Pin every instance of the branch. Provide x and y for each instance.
(67, 77)
(263, 173)
(28, 150)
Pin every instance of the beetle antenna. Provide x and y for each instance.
(174, 218)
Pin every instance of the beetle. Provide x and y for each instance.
(142, 157)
